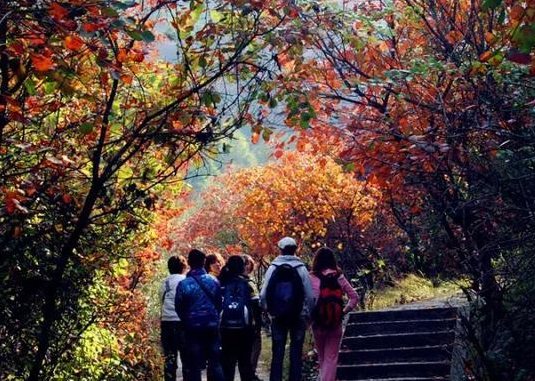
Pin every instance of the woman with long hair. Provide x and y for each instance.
(328, 334)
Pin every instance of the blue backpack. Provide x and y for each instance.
(235, 313)
(285, 293)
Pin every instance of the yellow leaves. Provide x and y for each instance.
(300, 194)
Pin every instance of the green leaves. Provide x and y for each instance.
(138, 35)
(86, 128)
(491, 4)
(524, 38)
(210, 98)
(300, 112)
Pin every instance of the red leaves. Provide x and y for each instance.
(57, 12)
(91, 27)
(42, 62)
(454, 37)
(12, 201)
(122, 55)
(519, 57)
(73, 42)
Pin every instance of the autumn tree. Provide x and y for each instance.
(433, 101)
(306, 196)
(95, 132)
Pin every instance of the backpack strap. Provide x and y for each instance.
(206, 292)
(167, 288)
(282, 264)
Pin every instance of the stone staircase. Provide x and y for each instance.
(398, 345)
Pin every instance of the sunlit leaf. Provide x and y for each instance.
(41, 62)
(73, 42)
(216, 16)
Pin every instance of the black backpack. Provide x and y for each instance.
(285, 293)
(235, 312)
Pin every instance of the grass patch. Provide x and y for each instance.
(264, 361)
(412, 288)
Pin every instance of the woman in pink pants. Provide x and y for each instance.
(327, 339)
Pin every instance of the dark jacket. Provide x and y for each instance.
(253, 301)
(199, 306)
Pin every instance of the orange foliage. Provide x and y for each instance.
(300, 195)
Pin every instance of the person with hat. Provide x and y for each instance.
(287, 283)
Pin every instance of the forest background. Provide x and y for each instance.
(406, 142)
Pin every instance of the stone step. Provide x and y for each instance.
(399, 340)
(397, 326)
(401, 314)
(390, 370)
(398, 345)
(390, 355)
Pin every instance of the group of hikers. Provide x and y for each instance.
(212, 315)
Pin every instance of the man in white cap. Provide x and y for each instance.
(288, 297)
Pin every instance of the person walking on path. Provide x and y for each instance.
(287, 284)
(257, 340)
(198, 303)
(327, 331)
(239, 320)
(171, 329)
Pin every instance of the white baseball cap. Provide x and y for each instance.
(286, 241)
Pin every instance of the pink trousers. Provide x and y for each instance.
(327, 343)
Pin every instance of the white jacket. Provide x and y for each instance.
(167, 296)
